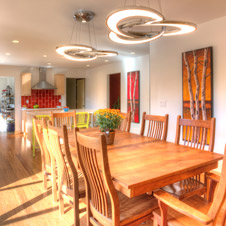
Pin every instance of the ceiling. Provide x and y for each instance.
(41, 25)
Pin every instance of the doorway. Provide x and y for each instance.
(114, 89)
(75, 93)
(7, 104)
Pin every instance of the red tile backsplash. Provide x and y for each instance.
(44, 98)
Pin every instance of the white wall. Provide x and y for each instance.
(97, 85)
(69, 73)
(166, 74)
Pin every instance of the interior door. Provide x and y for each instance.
(71, 93)
(115, 86)
(80, 93)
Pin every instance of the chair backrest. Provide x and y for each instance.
(82, 119)
(38, 129)
(45, 117)
(126, 122)
(99, 187)
(196, 133)
(157, 126)
(62, 154)
(64, 118)
(220, 193)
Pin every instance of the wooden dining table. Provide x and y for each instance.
(140, 164)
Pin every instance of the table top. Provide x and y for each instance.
(139, 164)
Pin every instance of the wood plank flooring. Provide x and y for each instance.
(23, 200)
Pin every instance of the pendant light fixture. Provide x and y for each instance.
(80, 52)
(139, 24)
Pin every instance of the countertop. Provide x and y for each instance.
(47, 111)
(40, 109)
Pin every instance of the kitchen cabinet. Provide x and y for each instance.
(26, 84)
(59, 82)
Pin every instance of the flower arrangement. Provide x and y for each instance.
(108, 119)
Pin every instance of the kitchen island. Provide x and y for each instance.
(29, 114)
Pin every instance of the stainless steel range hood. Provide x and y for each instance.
(43, 84)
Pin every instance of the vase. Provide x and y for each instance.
(110, 136)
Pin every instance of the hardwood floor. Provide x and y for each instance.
(23, 200)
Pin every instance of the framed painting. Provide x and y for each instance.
(198, 84)
(133, 95)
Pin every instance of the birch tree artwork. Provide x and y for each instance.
(133, 95)
(197, 84)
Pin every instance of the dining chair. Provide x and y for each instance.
(82, 119)
(157, 126)
(199, 134)
(38, 117)
(194, 211)
(48, 160)
(64, 118)
(126, 122)
(106, 206)
(70, 183)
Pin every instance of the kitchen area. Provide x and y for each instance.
(43, 93)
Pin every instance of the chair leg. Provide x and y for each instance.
(33, 142)
(54, 184)
(45, 180)
(163, 209)
(212, 187)
(61, 202)
(76, 201)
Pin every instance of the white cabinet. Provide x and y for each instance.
(59, 82)
(26, 84)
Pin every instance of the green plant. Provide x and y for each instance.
(108, 119)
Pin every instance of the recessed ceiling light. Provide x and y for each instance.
(106, 60)
(44, 55)
(87, 65)
(132, 53)
(15, 41)
(7, 54)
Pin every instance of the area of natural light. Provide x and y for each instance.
(2, 124)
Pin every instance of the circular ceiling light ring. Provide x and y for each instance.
(181, 27)
(130, 40)
(79, 57)
(104, 53)
(115, 17)
(77, 52)
(140, 34)
(62, 49)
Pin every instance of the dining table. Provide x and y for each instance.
(140, 164)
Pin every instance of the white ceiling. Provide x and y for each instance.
(41, 25)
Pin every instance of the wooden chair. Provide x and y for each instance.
(38, 117)
(126, 122)
(70, 184)
(64, 118)
(194, 211)
(82, 119)
(194, 133)
(48, 160)
(106, 206)
(157, 126)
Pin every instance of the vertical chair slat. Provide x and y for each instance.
(157, 126)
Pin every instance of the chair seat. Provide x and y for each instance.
(132, 209)
(178, 219)
(82, 125)
(182, 189)
(81, 187)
